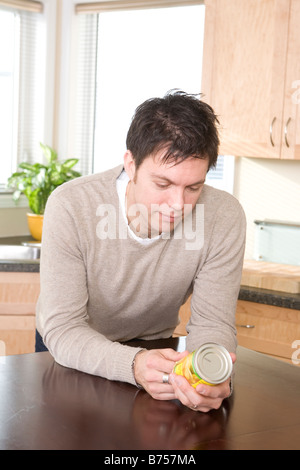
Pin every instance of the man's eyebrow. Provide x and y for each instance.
(161, 177)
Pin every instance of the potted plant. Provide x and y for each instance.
(37, 181)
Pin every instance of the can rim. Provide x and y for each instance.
(225, 361)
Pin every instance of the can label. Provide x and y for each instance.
(185, 367)
(210, 364)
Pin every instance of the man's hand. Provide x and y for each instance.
(151, 366)
(203, 397)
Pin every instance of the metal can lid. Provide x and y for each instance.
(213, 363)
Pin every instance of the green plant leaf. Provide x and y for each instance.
(56, 178)
(16, 174)
(74, 174)
(34, 200)
(39, 166)
(70, 162)
(16, 195)
(27, 166)
(49, 153)
(37, 181)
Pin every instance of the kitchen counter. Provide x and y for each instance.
(270, 297)
(16, 240)
(23, 266)
(45, 406)
(252, 294)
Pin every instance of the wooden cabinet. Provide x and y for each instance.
(264, 328)
(251, 75)
(184, 316)
(268, 329)
(291, 109)
(18, 295)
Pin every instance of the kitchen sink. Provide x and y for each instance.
(19, 252)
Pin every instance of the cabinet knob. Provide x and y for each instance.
(271, 131)
(246, 326)
(286, 132)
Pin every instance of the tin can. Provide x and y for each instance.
(210, 364)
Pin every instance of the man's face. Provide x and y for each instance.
(160, 194)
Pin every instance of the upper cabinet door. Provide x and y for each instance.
(291, 115)
(245, 65)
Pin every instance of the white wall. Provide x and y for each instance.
(267, 189)
(13, 222)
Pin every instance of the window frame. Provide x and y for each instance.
(85, 7)
(48, 9)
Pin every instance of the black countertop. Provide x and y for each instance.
(270, 297)
(24, 266)
(251, 294)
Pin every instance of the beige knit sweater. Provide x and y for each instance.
(100, 287)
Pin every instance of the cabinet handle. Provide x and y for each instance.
(286, 132)
(246, 326)
(271, 132)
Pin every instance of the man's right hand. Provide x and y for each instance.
(149, 368)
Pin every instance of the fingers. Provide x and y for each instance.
(163, 360)
(153, 368)
(221, 390)
(203, 398)
(150, 369)
(233, 357)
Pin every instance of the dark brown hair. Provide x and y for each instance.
(180, 123)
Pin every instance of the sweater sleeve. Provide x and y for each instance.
(217, 283)
(62, 317)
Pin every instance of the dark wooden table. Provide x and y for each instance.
(46, 406)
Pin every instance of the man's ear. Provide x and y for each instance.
(129, 165)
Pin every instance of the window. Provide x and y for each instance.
(129, 55)
(22, 86)
(125, 57)
(9, 61)
(222, 176)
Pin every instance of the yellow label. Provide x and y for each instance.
(186, 369)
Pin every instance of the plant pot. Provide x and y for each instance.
(35, 224)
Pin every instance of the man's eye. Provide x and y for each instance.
(194, 190)
(162, 186)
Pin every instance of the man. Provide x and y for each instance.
(124, 249)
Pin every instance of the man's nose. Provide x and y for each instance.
(177, 199)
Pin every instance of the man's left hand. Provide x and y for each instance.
(202, 398)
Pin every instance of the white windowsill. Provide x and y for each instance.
(7, 202)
